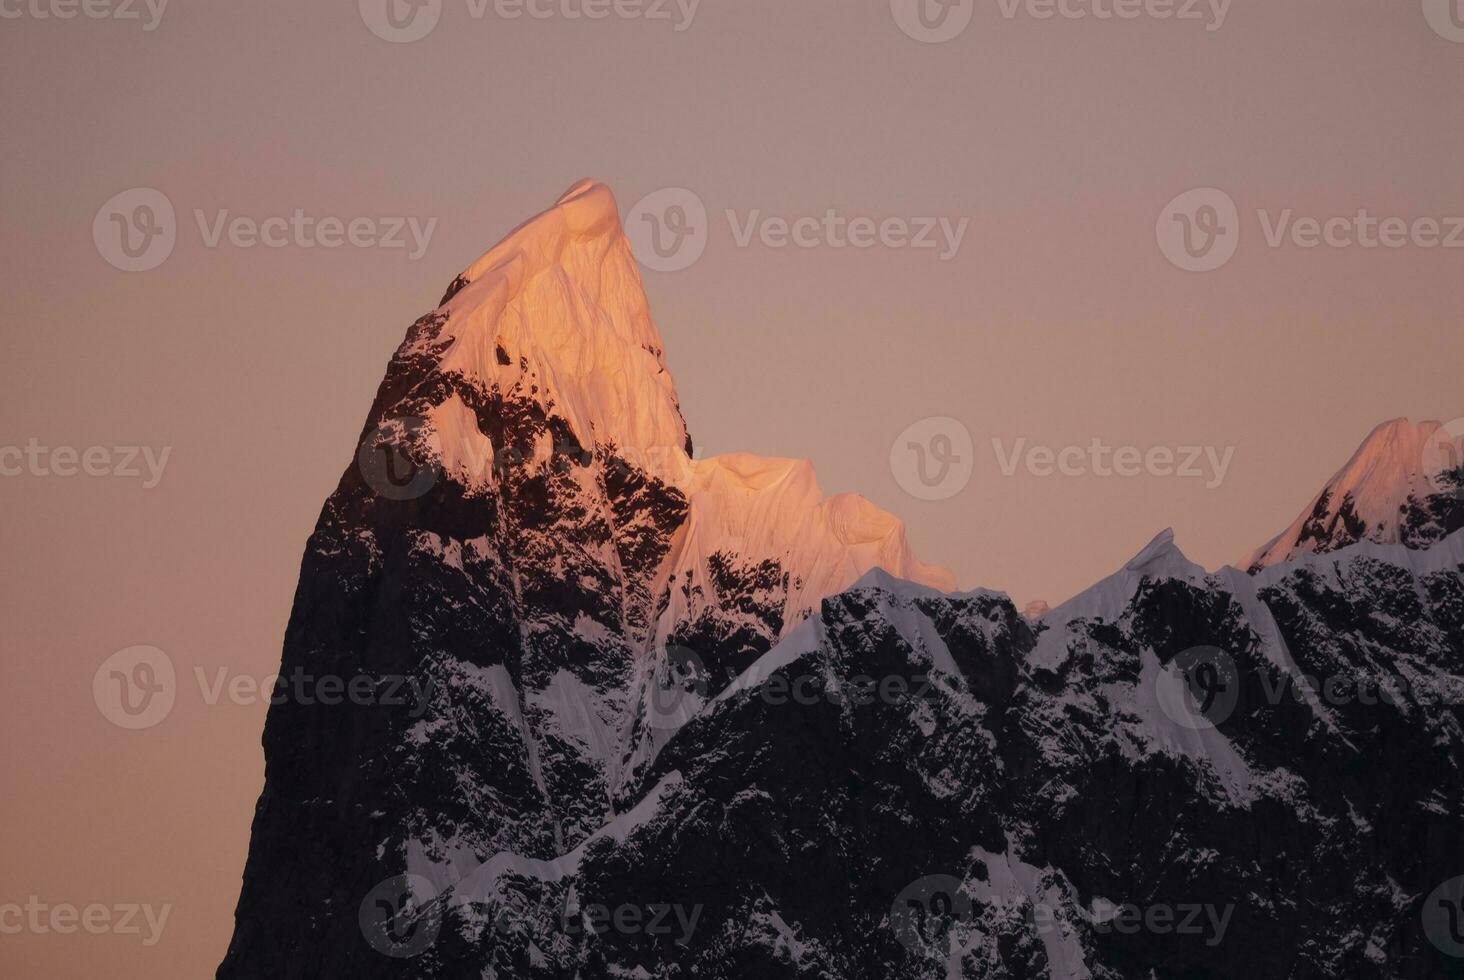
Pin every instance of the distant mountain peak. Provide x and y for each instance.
(1404, 485)
(555, 317)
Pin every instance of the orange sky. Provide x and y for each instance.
(1058, 321)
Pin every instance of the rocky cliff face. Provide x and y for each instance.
(510, 569)
(1052, 802)
(617, 712)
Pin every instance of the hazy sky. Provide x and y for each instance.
(1057, 321)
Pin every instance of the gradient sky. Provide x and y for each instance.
(1059, 320)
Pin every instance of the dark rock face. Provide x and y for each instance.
(1291, 839)
(1175, 775)
(899, 747)
(1425, 521)
(1421, 521)
(468, 598)
(1325, 529)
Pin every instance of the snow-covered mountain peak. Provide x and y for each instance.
(557, 311)
(1386, 467)
(544, 384)
(556, 315)
(749, 515)
(1399, 487)
(1159, 560)
(586, 215)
